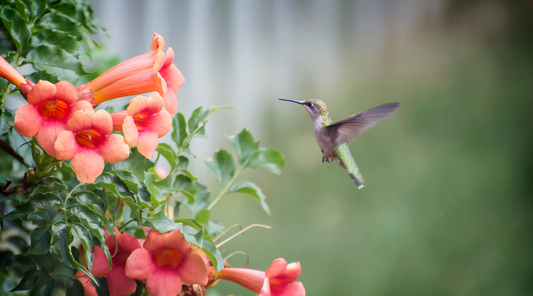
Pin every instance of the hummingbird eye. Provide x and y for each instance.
(310, 104)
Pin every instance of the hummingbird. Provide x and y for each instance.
(333, 137)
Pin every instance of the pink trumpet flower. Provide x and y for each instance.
(117, 281)
(149, 72)
(278, 280)
(165, 262)
(49, 109)
(88, 142)
(10, 74)
(143, 123)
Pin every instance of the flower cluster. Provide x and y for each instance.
(165, 261)
(67, 126)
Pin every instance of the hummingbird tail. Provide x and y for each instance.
(358, 180)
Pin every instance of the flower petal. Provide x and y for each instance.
(118, 283)
(89, 289)
(154, 103)
(158, 42)
(8, 72)
(128, 242)
(87, 164)
(292, 272)
(163, 282)
(171, 240)
(130, 131)
(171, 73)
(100, 263)
(192, 270)
(118, 119)
(265, 290)
(65, 146)
(114, 148)
(171, 103)
(28, 120)
(161, 123)
(102, 121)
(251, 279)
(276, 269)
(294, 289)
(140, 265)
(48, 133)
(147, 143)
(80, 105)
(42, 91)
(66, 92)
(81, 119)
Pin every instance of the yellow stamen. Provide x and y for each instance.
(88, 138)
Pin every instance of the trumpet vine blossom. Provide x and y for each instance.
(117, 281)
(88, 142)
(49, 109)
(143, 123)
(165, 262)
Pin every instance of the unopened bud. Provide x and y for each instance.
(60, 164)
(31, 171)
(37, 151)
(54, 168)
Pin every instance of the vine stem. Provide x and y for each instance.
(76, 187)
(125, 224)
(223, 191)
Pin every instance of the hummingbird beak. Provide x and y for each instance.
(294, 101)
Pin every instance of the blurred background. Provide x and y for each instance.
(447, 209)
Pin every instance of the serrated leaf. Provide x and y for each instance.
(57, 61)
(40, 241)
(91, 220)
(61, 245)
(129, 180)
(183, 163)
(42, 75)
(28, 281)
(244, 144)
(86, 241)
(22, 9)
(168, 153)
(7, 47)
(222, 165)
(44, 262)
(252, 190)
(136, 163)
(267, 158)
(203, 216)
(38, 7)
(16, 26)
(215, 228)
(19, 261)
(50, 184)
(116, 186)
(155, 195)
(92, 201)
(179, 131)
(7, 121)
(54, 37)
(37, 203)
(60, 22)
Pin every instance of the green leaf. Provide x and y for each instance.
(161, 222)
(74, 288)
(116, 186)
(179, 131)
(44, 287)
(38, 7)
(60, 22)
(222, 165)
(155, 195)
(40, 241)
(37, 203)
(202, 198)
(204, 241)
(244, 144)
(91, 220)
(28, 281)
(16, 26)
(200, 114)
(7, 121)
(62, 241)
(20, 261)
(183, 163)
(267, 158)
(50, 184)
(203, 216)
(22, 9)
(252, 190)
(86, 241)
(168, 153)
(136, 163)
(42, 75)
(44, 262)
(53, 37)
(57, 61)
(139, 233)
(129, 180)
(102, 288)
(93, 202)
(215, 228)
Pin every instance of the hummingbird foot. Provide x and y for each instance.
(326, 159)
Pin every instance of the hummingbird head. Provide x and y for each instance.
(316, 108)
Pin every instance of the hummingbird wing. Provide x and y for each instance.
(352, 126)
